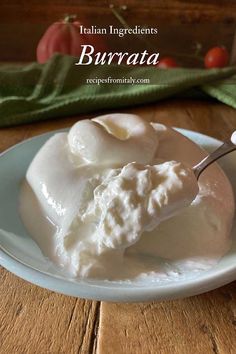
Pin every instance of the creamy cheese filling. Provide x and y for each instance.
(109, 192)
(135, 199)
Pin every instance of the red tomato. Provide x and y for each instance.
(64, 37)
(167, 62)
(216, 57)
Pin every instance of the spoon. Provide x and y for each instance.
(228, 146)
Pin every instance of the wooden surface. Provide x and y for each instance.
(181, 24)
(34, 320)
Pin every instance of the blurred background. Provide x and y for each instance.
(186, 28)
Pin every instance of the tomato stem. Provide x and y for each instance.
(69, 18)
(150, 45)
(119, 17)
(123, 22)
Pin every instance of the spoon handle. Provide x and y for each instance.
(227, 147)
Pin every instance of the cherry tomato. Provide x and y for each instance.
(167, 62)
(216, 57)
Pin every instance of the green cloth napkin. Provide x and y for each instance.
(58, 88)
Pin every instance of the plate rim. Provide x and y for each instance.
(136, 293)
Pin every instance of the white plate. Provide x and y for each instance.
(21, 256)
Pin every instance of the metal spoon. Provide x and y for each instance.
(228, 146)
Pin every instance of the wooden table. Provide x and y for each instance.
(34, 320)
(181, 24)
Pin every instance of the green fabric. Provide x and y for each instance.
(58, 88)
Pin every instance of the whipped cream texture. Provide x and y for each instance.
(136, 198)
